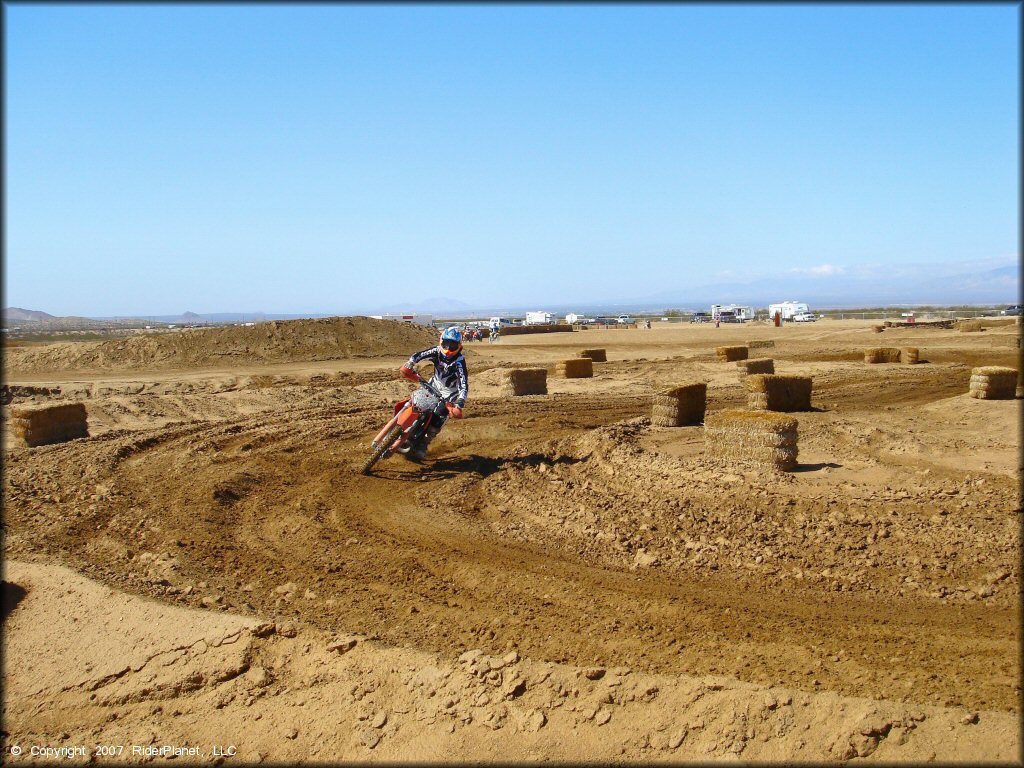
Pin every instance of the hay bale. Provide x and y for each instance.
(683, 404)
(778, 392)
(732, 354)
(877, 328)
(518, 330)
(761, 344)
(993, 382)
(575, 368)
(525, 381)
(910, 355)
(597, 355)
(49, 424)
(881, 355)
(970, 326)
(752, 437)
(762, 365)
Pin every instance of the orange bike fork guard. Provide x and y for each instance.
(389, 425)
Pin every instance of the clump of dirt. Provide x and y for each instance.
(273, 342)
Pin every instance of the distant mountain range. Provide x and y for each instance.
(839, 289)
(19, 315)
(14, 317)
(427, 306)
(832, 288)
(194, 318)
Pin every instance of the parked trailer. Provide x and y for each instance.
(539, 318)
(739, 312)
(417, 319)
(787, 309)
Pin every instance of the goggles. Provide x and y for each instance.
(450, 346)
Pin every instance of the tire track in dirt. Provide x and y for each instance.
(270, 513)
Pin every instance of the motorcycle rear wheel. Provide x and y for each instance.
(381, 448)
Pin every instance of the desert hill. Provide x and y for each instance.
(19, 315)
(274, 342)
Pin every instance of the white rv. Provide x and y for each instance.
(787, 309)
(417, 319)
(539, 318)
(736, 312)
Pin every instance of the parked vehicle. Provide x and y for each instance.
(573, 319)
(700, 317)
(501, 322)
(787, 309)
(728, 316)
(417, 319)
(738, 311)
(804, 317)
(1013, 309)
(624, 319)
(539, 318)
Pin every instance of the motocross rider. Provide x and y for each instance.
(450, 378)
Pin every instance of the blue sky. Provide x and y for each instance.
(340, 158)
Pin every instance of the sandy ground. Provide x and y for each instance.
(558, 581)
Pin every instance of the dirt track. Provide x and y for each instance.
(563, 526)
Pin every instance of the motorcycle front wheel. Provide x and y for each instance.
(381, 448)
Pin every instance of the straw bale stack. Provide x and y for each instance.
(597, 355)
(681, 405)
(778, 392)
(877, 328)
(993, 382)
(525, 381)
(732, 354)
(753, 437)
(761, 365)
(910, 355)
(575, 368)
(761, 344)
(518, 330)
(48, 424)
(882, 355)
(970, 326)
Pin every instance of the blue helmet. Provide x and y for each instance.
(451, 341)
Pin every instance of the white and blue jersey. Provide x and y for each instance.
(450, 376)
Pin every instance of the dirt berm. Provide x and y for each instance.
(286, 341)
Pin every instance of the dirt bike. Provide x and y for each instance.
(412, 418)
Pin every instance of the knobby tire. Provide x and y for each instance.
(382, 448)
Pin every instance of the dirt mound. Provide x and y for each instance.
(181, 676)
(273, 342)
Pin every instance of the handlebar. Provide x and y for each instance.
(430, 388)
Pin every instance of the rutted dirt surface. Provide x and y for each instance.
(882, 576)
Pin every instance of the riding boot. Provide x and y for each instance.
(419, 451)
